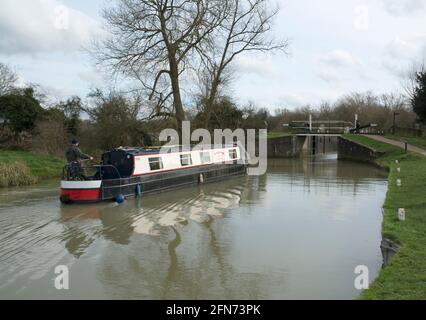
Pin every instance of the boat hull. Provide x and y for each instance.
(104, 190)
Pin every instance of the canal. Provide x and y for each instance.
(297, 232)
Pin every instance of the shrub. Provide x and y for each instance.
(16, 174)
(50, 138)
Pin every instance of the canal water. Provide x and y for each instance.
(297, 232)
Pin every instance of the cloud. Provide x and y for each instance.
(402, 53)
(328, 74)
(400, 48)
(92, 76)
(338, 58)
(33, 26)
(329, 66)
(294, 100)
(395, 68)
(410, 47)
(404, 7)
(260, 66)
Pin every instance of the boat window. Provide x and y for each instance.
(155, 163)
(185, 159)
(233, 154)
(205, 157)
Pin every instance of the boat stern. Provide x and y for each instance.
(80, 191)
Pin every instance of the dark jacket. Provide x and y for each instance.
(74, 153)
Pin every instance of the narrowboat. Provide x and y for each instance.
(127, 172)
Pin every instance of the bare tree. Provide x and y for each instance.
(394, 102)
(325, 111)
(152, 41)
(246, 26)
(409, 83)
(8, 79)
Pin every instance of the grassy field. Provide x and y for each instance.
(415, 141)
(21, 164)
(405, 276)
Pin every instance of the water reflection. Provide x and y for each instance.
(153, 216)
(296, 232)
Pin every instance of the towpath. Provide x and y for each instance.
(399, 144)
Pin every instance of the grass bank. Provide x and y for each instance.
(278, 134)
(405, 276)
(22, 168)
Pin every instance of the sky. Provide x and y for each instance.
(336, 47)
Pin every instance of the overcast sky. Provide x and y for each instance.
(337, 47)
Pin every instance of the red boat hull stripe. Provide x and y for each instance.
(81, 194)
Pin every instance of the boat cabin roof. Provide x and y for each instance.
(170, 149)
